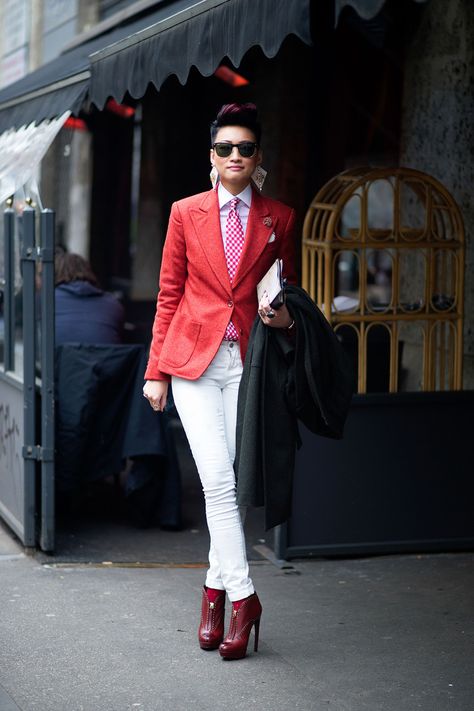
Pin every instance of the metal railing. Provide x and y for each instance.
(30, 234)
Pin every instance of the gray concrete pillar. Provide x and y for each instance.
(438, 122)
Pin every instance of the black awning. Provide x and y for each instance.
(199, 36)
(56, 87)
(45, 103)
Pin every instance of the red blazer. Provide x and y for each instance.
(196, 300)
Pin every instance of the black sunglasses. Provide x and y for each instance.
(246, 149)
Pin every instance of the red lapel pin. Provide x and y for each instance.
(267, 221)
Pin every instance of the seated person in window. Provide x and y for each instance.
(84, 313)
(87, 315)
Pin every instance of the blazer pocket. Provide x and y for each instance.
(180, 341)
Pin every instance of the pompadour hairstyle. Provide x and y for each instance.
(237, 115)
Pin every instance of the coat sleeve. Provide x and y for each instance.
(172, 281)
(287, 252)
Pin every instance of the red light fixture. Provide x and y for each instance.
(119, 109)
(75, 124)
(230, 77)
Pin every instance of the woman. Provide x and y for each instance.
(84, 313)
(218, 247)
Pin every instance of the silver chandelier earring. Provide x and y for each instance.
(258, 176)
(214, 176)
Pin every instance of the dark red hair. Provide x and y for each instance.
(237, 115)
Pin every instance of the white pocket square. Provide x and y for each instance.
(272, 237)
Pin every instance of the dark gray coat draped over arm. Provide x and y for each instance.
(306, 377)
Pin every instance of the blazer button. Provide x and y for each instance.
(230, 304)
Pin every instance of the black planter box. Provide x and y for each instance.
(402, 479)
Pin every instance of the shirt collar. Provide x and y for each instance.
(225, 196)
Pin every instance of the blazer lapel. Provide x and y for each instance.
(260, 226)
(206, 223)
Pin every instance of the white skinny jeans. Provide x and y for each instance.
(208, 411)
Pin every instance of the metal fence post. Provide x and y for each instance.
(28, 262)
(47, 225)
(9, 289)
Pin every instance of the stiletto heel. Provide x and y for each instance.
(257, 631)
(243, 619)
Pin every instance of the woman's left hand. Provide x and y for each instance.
(276, 318)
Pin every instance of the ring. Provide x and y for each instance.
(270, 314)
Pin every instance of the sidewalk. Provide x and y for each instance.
(392, 633)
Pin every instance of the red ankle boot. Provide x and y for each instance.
(211, 629)
(243, 619)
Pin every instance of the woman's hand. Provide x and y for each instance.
(280, 318)
(156, 392)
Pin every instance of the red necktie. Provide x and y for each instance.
(234, 242)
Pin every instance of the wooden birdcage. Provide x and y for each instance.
(383, 251)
